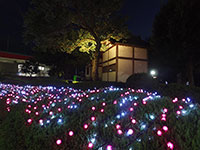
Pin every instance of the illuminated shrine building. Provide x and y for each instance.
(121, 61)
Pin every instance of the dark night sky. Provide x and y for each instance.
(140, 12)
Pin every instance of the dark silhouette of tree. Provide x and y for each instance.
(63, 64)
(176, 37)
(64, 25)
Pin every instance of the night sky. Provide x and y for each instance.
(141, 14)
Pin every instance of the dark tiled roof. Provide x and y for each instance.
(14, 55)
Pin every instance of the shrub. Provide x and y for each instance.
(141, 80)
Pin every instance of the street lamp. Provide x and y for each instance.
(153, 73)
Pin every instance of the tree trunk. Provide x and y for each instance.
(95, 62)
(190, 69)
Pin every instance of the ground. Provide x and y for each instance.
(46, 117)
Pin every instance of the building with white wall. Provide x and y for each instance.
(121, 61)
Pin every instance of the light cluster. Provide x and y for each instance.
(47, 106)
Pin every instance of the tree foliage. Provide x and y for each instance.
(63, 64)
(176, 37)
(67, 25)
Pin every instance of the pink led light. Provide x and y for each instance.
(159, 133)
(175, 100)
(180, 107)
(93, 108)
(163, 119)
(133, 121)
(170, 145)
(59, 109)
(58, 142)
(50, 113)
(130, 131)
(178, 112)
(119, 132)
(144, 102)
(118, 126)
(135, 104)
(131, 109)
(90, 145)
(109, 147)
(102, 110)
(115, 102)
(165, 128)
(40, 121)
(103, 104)
(163, 115)
(71, 133)
(165, 110)
(85, 126)
(29, 121)
(36, 113)
(93, 118)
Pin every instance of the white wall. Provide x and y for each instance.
(125, 69)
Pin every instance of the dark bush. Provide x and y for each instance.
(141, 80)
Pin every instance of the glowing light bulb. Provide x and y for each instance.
(93, 118)
(71, 133)
(163, 119)
(41, 122)
(109, 147)
(130, 132)
(159, 133)
(119, 132)
(93, 108)
(90, 145)
(102, 110)
(131, 109)
(133, 121)
(170, 145)
(103, 104)
(59, 141)
(50, 113)
(85, 126)
(144, 102)
(191, 105)
(165, 110)
(165, 128)
(178, 112)
(115, 102)
(59, 109)
(118, 126)
(29, 121)
(152, 117)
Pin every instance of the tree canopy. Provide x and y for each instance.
(63, 64)
(176, 37)
(64, 25)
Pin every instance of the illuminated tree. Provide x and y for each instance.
(64, 25)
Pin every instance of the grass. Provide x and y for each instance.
(131, 109)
